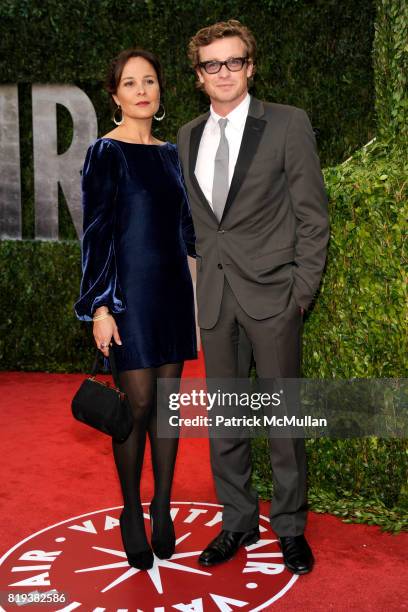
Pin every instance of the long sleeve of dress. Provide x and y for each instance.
(99, 285)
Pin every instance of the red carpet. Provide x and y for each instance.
(54, 469)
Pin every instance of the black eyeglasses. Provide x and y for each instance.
(234, 64)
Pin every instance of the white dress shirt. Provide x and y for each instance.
(204, 169)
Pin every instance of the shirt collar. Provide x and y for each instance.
(237, 117)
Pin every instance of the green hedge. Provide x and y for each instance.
(358, 327)
(38, 286)
(391, 69)
(360, 480)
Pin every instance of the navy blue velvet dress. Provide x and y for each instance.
(137, 233)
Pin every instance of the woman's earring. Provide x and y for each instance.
(163, 115)
(117, 121)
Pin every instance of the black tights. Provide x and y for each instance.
(140, 387)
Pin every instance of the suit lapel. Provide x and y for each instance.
(195, 138)
(253, 131)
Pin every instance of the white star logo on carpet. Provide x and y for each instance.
(154, 572)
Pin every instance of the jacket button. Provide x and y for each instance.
(221, 231)
(219, 266)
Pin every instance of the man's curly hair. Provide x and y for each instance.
(222, 29)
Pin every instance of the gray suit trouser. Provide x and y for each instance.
(276, 345)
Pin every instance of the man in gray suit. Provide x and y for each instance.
(259, 207)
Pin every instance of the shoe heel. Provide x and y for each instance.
(162, 550)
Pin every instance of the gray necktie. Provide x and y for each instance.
(221, 164)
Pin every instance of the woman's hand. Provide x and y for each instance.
(104, 330)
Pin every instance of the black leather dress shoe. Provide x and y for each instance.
(297, 554)
(226, 544)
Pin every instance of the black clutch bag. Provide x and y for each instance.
(103, 406)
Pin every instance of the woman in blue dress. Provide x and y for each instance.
(136, 284)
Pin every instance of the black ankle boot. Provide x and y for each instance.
(163, 536)
(142, 559)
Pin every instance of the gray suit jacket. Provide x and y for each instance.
(271, 242)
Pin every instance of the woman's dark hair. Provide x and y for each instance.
(116, 68)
